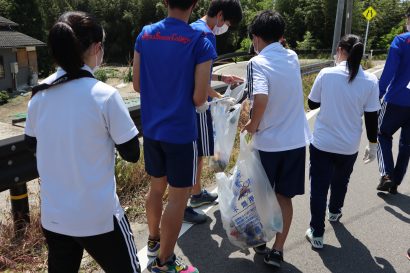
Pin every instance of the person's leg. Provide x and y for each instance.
(205, 149)
(404, 154)
(320, 173)
(155, 166)
(343, 169)
(197, 188)
(286, 206)
(114, 251)
(181, 166)
(64, 253)
(390, 120)
(172, 220)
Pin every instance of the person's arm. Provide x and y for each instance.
(391, 66)
(314, 97)
(213, 94)
(259, 105)
(130, 150)
(371, 122)
(228, 79)
(201, 82)
(136, 72)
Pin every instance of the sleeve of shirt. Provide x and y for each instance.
(137, 46)
(204, 51)
(316, 92)
(118, 121)
(391, 66)
(30, 120)
(373, 102)
(257, 80)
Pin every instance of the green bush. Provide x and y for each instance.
(128, 75)
(4, 97)
(101, 75)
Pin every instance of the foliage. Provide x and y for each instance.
(308, 43)
(4, 97)
(124, 19)
(101, 75)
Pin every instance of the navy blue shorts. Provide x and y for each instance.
(286, 171)
(178, 162)
(205, 134)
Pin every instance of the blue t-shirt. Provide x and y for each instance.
(395, 79)
(169, 52)
(201, 25)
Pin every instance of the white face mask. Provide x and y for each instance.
(98, 63)
(220, 30)
(256, 47)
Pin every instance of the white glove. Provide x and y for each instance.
(229, 102)
(371, 153)
(202, 108)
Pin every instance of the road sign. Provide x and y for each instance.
(369, 13)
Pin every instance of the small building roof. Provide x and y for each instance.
(14, 39)
(7, 22)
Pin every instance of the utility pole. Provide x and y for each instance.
(338, 25)
(349, 17)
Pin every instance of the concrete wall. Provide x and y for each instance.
(8, 57)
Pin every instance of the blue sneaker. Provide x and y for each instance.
(203, 199)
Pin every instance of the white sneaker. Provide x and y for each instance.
(333, 217)
(316, 242)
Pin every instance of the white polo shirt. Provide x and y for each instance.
(338, 126)
(76, 125)
(275, 72)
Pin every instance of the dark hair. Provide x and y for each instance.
(354, 47)
(231, 10)
(269, 25)
(71, 36)
(181, 4)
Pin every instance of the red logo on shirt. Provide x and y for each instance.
(173, 38)
(408, 41)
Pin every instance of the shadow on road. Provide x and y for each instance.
(211, 252)
(400, 201)
(352, 256)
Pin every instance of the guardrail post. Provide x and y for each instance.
(20, 207)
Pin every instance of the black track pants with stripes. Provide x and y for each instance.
(114, 251)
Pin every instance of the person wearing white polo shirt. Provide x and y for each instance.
(344, 94)
(74, 123)
(278, 122)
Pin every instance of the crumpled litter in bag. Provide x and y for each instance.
(250, 212)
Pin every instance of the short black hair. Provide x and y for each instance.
(231, 10)
(181, 4)
(269, 25)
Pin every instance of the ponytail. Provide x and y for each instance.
(354, 47)
(65, 47)
(71, 37)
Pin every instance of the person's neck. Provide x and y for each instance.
(211, 22)
(182, 15)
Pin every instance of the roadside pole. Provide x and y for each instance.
(338, 26)
(369, 14)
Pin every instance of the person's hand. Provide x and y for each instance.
(370, 153)
(232, 79)
(202, 108)
(250, 127)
